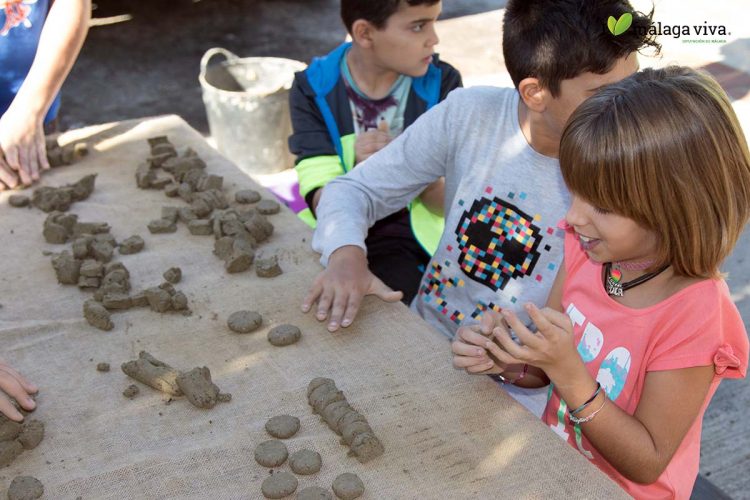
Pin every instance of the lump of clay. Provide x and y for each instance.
(314, 493)
(102, 367)
(32, 433)
(18, 201)
(165, 298)
(131, 391)
(305, 462)
(49, 199)
(268, 207)
(132, 245)
(284, 335)
(200, 227)
(279, 485)
(25, 488)
(162, 226)
(66, 268)
(282, 426)
(58, 227)
(173, 275)
(330, 403)
(170, 213)
(244, 321)
(199, 389)
(154, 373)
(348, 486)
(117, 301)
(271, 453)
(97, 315)
(247, 196)
(268, 267)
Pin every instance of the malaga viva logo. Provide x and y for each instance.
(619, 26)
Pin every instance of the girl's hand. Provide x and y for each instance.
(469, 347)
(552, 348)
(14, 385)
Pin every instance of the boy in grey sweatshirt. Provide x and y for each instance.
(504, 194)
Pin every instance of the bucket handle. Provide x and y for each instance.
(210, 53)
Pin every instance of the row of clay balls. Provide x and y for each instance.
(249, 321)
(273, 453)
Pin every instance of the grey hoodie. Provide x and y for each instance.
(501, 247)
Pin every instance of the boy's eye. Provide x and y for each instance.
(417, 27)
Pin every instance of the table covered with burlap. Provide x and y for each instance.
(446, 434)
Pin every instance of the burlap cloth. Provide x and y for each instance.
(446, 434)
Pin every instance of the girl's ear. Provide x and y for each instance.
(533, 94)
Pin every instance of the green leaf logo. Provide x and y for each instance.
(620, 26)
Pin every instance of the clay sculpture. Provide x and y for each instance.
(330, 403)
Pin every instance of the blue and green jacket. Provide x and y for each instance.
(323, 137)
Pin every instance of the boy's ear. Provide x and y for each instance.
(533, 94)
(362, 33)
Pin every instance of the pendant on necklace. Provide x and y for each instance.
(614, 287)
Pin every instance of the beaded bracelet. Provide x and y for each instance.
(588, 402)
(583, 420)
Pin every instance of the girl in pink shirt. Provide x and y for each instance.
(640, 328)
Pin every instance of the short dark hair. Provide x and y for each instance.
(376, 12)
(554, 40)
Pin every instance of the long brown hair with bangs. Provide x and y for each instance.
(664, 147)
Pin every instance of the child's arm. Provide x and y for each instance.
(22, 142)
(14, 385)
(350, 204)
(638, 446)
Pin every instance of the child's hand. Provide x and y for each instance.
(342, 285)
(370, 142)
(552, 348)
(469, 352)
(14, 385)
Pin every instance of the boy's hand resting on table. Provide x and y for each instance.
(14, 385)
(339, 289)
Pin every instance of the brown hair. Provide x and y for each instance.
(664, 147)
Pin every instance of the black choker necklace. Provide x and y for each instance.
(613, 280)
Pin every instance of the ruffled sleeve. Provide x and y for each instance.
(725, 359)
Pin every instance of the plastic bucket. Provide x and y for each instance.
(247, 105)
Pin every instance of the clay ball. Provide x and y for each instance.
(314, 493)
(348, 486)
(25, 488)
(279, 485)
(244, 321)
(284, 335)
(271, 453)
(305, 462)
(282, 426)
